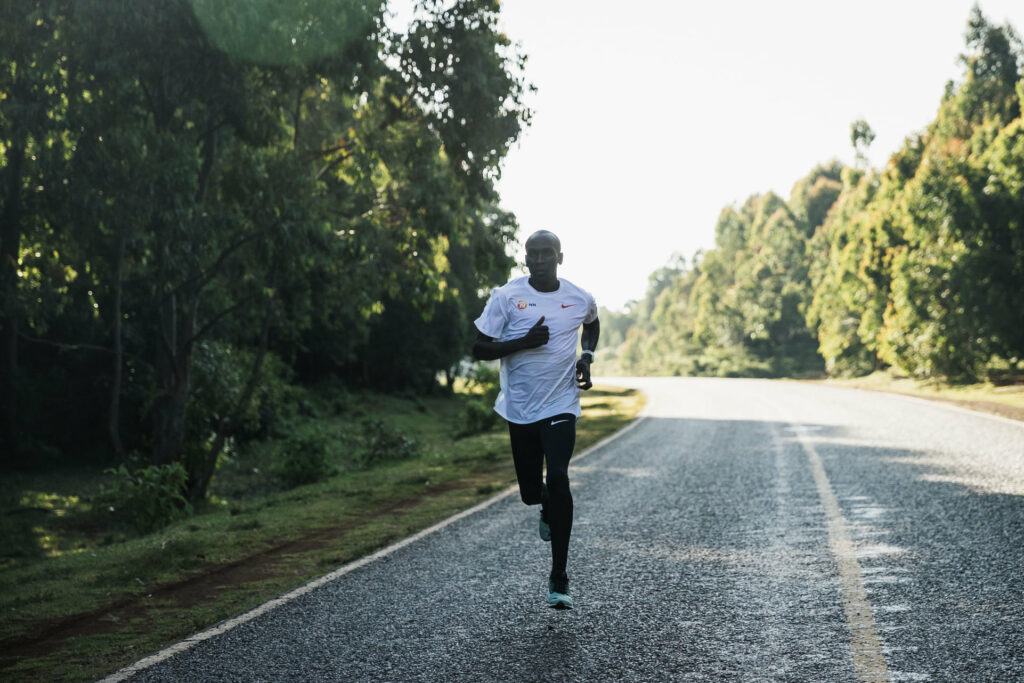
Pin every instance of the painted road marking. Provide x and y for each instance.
(865, 643)
(226, 626)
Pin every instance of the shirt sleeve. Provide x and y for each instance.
(591, 309)
(495, 316)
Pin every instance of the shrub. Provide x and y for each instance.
(382, 443)
(478, 417)
(147, 499)
(485, 380)
(304, 458)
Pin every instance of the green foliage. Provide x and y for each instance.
(382, 443)
(305, 457)
(226, 198)
(739, 310)
(861, 137)
(478, 416)
(146, 499)
(484, 380)
(923, 260)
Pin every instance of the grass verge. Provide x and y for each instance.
(1006, 401)
(80, 603)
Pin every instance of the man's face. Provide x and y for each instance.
(543, 254)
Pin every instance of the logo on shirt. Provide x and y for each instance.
(522, 304)
(568, 305)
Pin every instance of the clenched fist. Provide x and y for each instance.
(537, 336)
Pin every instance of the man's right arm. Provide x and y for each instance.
(486, 348)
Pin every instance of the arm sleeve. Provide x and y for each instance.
(591, 309)
(494, 318)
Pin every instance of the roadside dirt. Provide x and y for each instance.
(1000, 409)
(279, 561)
(1011, 412)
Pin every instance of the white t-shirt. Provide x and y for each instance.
(537, 383)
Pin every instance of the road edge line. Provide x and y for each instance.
(259, 610)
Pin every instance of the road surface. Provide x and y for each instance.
(744, 530)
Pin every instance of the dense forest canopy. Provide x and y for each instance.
(203, 202)
(918, 266)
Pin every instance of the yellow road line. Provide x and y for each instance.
(865, 644)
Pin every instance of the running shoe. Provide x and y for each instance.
(558, 592)
(543, 528)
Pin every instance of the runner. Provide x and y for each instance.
(531, 323)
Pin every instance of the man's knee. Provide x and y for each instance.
(558, 480)
(532, 495)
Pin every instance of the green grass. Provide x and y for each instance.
(1007, 400)
(252, 542)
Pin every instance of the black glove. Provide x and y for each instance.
(583, 373)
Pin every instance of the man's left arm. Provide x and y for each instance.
(588, 340)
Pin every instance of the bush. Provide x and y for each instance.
(304, 458)
(147, 499)
(485, 380)
(478, 417)
(382, 443)
(220, 372)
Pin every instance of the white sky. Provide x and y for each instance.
(651, 116)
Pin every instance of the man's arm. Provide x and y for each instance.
(486, 348)
(588, 340)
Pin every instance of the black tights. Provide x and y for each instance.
(552, 438)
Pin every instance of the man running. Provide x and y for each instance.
(531, 325)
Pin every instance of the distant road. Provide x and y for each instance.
(745, 530)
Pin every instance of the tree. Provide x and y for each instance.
(861, 137)
(212, 208)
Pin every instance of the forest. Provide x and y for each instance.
(207, 205)
(917, 267)
(207, 208)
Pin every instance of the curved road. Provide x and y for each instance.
(745, 530)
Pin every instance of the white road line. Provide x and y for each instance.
(865, 643)
(246, 617)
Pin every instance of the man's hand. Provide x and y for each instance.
(537, 336)
(583, 374)
(486, 348)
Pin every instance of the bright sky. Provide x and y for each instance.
(649, 120)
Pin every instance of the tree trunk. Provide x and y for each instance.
(201, 483)
(114, 418)
(174, 370)
(10, 245)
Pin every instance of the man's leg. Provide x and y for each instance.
(528, 456)
(558, 438)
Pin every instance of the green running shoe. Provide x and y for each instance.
(558, 593)
(543, 528)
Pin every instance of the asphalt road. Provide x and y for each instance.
(745, 530)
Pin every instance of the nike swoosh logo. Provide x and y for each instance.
(558, 422)
(569, 306)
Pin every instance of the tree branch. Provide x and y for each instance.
(205, 276)
(214, 320)
(332, 162)
(66, 346)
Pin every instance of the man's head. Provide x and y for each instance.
(543, 254)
